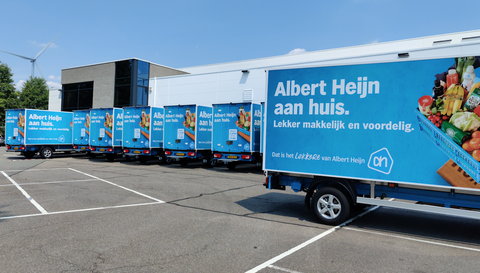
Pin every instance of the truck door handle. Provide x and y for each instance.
(177, 141)
(229, 142)
(100, 138)
(134, 140)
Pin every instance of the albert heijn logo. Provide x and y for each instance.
(381, 161)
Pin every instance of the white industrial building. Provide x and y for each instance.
(244, 81)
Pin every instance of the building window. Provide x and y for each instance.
(77, 96)
(131, 83)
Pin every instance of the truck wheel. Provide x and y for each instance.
(331, 206)
(183, 162)
(28, 154)
(210, 162)
(111, 157)
(46, 153)
(167, 160)
(231, 165)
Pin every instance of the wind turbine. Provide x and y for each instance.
(33, 60)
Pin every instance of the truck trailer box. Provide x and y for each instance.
(33, 131)
(143, 132)
(106, 128)
(188, 132)
(358, 127)
(236, 133)
(81, 130)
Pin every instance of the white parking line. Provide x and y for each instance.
(314, 239)
(40, 208)
(52, 182)
(122, 187)
(412, 239)
(283, 269)
(78, 210)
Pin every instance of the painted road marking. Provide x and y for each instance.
(314, 239)
(52, 182)
(79, 210)
(283, 269)
(122, 187)
(40, 208)
(413, 239)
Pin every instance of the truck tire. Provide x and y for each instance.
(166, 160)
(184, 162)
(331, 206)
(46, 153)
(210, 162)
(143, 159)
(28, 154)
(111, 157)
(231, 165)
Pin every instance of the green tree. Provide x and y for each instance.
(34, 94)
(8, 95)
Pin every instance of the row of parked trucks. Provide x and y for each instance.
(389, 129)
(228, 133)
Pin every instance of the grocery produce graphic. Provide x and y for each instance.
(453, 109)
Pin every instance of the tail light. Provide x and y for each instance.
(147, 152)
(8, 147)
(168, 153)
(126, 151)
(217, 155)
(246, 157)
(22, 148)
(75, 147)
(109, 150)
(92, 149)
(266, 182)
(191, 154)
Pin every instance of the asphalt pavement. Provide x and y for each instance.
(73, 213)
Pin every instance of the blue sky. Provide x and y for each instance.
(183, 33)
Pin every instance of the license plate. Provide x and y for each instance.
(232, 157)
(137, 152)
(102, 150)
(180, 153)
(16, 148)
(83, 148)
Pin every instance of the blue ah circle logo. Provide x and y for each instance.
(61, 138)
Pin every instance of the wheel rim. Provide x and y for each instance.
(329, 206)
(47, 153)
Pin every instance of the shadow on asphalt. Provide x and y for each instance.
(428, 226)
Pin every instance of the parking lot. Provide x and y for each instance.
(77, 214)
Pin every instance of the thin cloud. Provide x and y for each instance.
(375, 41)
(296, 51)
(42, 45)
(54, 85)
(19, 85)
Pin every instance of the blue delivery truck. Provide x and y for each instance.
(81, 130)
(401, 133)
(143, 133)
(31, 131)
(236, 133)
(188, 134)
(106, 128)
